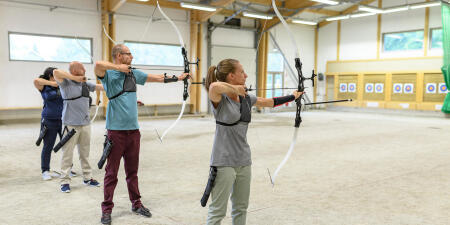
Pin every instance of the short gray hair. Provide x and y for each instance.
(116, 49)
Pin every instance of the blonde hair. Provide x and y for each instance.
(220, 72)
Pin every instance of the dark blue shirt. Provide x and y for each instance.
(53, 103)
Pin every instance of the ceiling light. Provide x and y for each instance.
(369, 9)
(304, 22)
(197, 6)
(338, 18)
(424, 5)
(330, 2)
(142, 0)
(362, 14)
(395, 9)
(258, 15)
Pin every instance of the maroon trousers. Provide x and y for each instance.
(126, 144)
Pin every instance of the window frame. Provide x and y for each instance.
(155, 43)
(430, 38)
(403, 50)
(49, 35)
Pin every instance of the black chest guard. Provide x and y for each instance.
(84, 92)
(246, 112)
(129, 85)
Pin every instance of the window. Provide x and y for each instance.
(275, 62)
(155, 54)
(275, 71)
(403, 41)
(436, 38)
(47, 48)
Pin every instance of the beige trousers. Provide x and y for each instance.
(82, 139)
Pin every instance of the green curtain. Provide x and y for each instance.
(446, 39)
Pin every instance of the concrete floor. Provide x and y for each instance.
(347, 168)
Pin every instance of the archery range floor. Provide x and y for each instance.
(347, 168)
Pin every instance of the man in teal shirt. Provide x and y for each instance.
(119, 82)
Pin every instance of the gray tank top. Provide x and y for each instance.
(230, 146)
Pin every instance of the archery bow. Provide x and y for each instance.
(300, 88)
(186, 70)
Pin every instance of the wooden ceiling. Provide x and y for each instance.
(289, 8)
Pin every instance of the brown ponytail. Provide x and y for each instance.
(220, 72)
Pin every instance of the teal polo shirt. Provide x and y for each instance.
(122, 112)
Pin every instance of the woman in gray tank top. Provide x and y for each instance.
(231, 156)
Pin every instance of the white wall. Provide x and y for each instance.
(327, 47)
(358, 38)
(16, 77)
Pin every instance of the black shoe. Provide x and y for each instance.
(142, 211)
(106, 218)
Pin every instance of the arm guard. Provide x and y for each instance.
(170, 79)
(209, 186)
(277, 101)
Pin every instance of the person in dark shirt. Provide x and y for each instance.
(51, 116)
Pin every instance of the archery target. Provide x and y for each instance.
(343, 87)
(379, 88)
(409, 88)
(369, 88)
(431, 88)
(397, 88)
(442, 88)
(352, 87)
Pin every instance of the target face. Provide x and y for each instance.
(379, 87)
(369, 88)
(351, 87)
(409, 88)
(431, 88)
(397, 88)
(343, 87)
(442, 88)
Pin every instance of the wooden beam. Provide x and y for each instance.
(204, 16)
(347, 11)
(380, 5)
(192, 56)
(264, 2)
(162, 3)
(106, 43)
(114, 5)
(323, 12)
(426, 31)
(198, 76)
(316, 50)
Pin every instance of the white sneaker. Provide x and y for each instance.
(55, 174)
(46, 175)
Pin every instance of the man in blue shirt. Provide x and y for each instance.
(119, 82)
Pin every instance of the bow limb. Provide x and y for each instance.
(294, 43)
(186, 70)
(171, 23)
(300, 87)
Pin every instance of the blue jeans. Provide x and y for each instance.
(53, 129)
